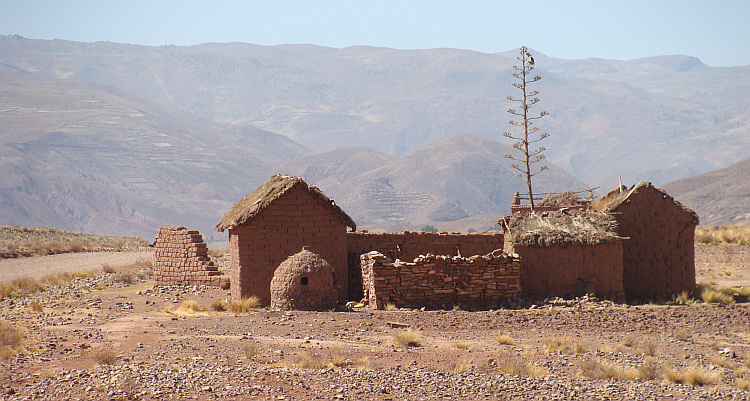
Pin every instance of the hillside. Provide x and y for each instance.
(450, 179)
(84, 157)
(657, 119)
(720, 197)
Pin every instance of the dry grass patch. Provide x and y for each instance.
(251, 350)
(463, 346)
(244, 305)
(683, 298)
(595, 368)
(189, 306)
(408, 338)
(363, 363)
(104, 356)
(11, 339)
(694, 376)
(459, 366)
(36, 307)
(563, 345)
(503, 339)
(713, 235)
(648, 347)
(519, 366)
(219, 305)
(389, 307)
(720, 360)
(312, 360)
(742, 384)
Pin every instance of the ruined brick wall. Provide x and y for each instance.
(291, 222)
(440, 281)
(659, 257)
(181, 258)
(571, 269)
(409, 245)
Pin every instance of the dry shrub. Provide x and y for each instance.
(720, 360)
(337, 359)
(362, 363)
(694, 376)
(594, 368)
(742, 384)
(36, 307)
(460, 345)
(144, 263)
(519, 366)
(714, 296)
(11, 339)
(408, 338)
(648, 347)
(311, 360)
(649, 369)
(563, 345)
(460, 366)
(107, 268)
(219, 305)
(104, 356)
(683, 298)
(189, 306)
(123, 277)
(628, 340)
(389, 307)
(503, 339)
(244, 305)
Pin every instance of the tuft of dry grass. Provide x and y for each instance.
(244, 305)
(459, 366)
(503, 339)
(36, 307)
(11, 339)
(595, 368)
(714, 296)
(742, 384)
(460, 345)
(563, 345)
(389, 307)
(683, 298)
(189, 306)
(219, 305)
(107, 268)
(144, 263)
(519, 366)
(311, 361)
(363, 363)
(251, 350)
(712, 235)
(720, 360)
(694, 376)
(123, 277)
(104, 356)
(648, 347)
(649, 369)
(408, 338)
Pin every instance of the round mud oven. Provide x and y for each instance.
(304, 281)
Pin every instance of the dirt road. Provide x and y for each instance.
(39, 266)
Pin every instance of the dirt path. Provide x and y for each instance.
(39, 266)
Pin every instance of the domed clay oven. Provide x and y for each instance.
(304, 281)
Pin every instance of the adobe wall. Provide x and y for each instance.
(571, 269)
(659, 257)
(440, 281)
(408, 245)
(287, 225)
(181, 258)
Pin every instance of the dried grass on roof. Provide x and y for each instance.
(556, 227)
(250, 206)
(616, 197)
(561, 199)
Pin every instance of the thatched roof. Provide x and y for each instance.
(562, 226)
(252, 205)
(616, 197)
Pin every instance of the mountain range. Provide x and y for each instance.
(117, 138)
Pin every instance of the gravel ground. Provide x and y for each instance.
(39, 266)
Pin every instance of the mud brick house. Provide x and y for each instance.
(276, 221)
(566, 253)
(659, 255)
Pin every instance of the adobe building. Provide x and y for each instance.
(566, 253)
(276, 221)
(181, 258)
(659, 255)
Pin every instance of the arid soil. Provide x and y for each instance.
(66, 263)
(98, 339)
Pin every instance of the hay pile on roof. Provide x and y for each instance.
(616, 197)
(562, 226)
(252, 205)
(561, 199)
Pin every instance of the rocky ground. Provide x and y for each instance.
(103, 339)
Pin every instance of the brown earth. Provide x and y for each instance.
(163, 353)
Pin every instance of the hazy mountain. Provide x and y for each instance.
(450, 179)
(657, 119)
(720, 197)
(90, 158)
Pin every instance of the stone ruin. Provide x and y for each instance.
(304, 282)
(181, 258)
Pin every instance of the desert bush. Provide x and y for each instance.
(244, 305)
(408, 338)
(714, 296)
(144, 263)
(720, 360)
(519, 366)
(563, 345)
(10, 335)
(694, 376)
(504, 339)
(104, 356)
(595, 368)
(219, 305)
(742, 384)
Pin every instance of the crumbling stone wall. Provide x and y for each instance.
(408, 245)
(571, 269)
(181, 258)
(293, 221)
(440, 281)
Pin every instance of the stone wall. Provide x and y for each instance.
(659, 256)
(409, 245)
(181, 258)
(571, 269)
(291, 222)
(440, 281)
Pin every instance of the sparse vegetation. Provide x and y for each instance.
(504, 339)
(563, 345)
(244, 305)
(648, 347)
(519, 366)
(460, 345)
(24, 286)
(250, 350)
(595, 368)
(683, 298)
(104, 356)
(459, 366)
(11, 339)
(190, 306)
(429, 228)
(408, 338)
(694, 376)
(710, 293)
(36, 307)
(219, 305)
(712, 235)
(389, 307)
(19, 241)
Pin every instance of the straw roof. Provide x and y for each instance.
(252, 205)
(561, 226)
(616, 197)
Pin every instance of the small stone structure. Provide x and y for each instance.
(181, 258)
(566, 253)
(440, 281)
(304, 282)
(659, 254)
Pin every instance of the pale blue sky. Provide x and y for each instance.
(716, 31)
